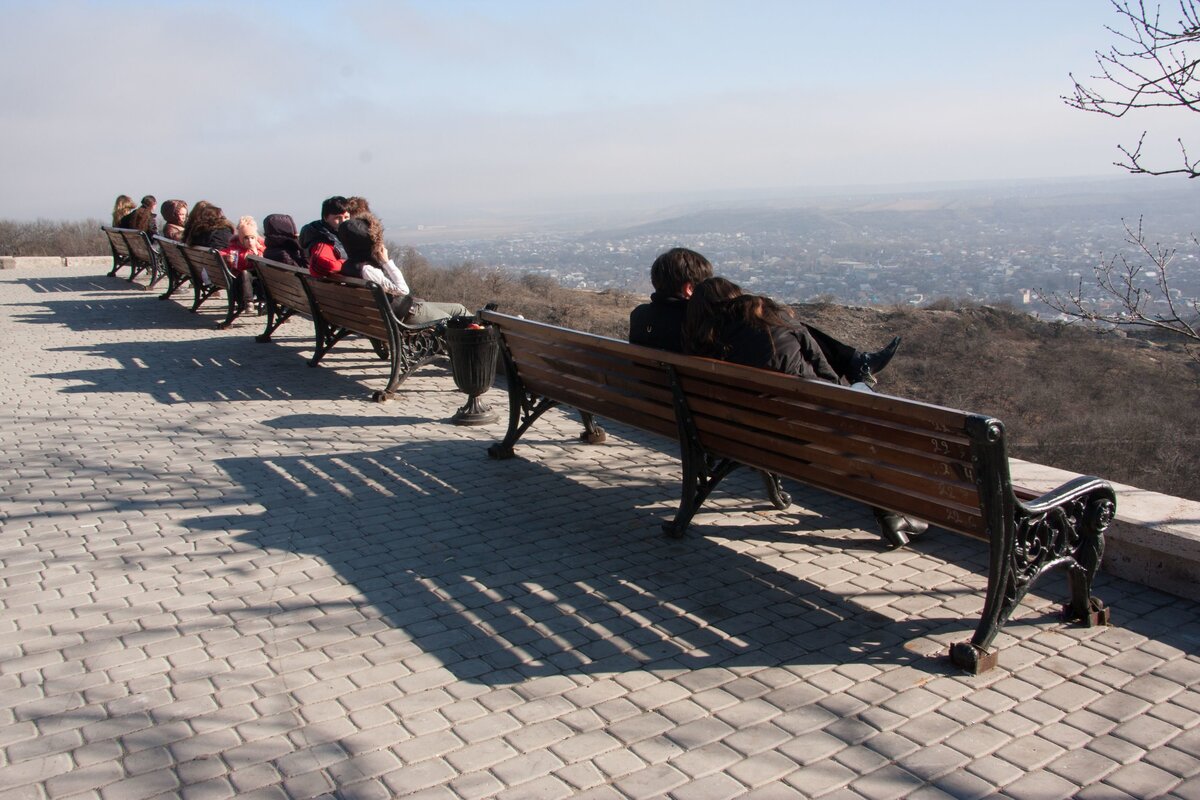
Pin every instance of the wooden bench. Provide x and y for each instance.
(283, 293)
(339, 308)
(205, 269)
(132, 248)
(179, 272)
(945, 466)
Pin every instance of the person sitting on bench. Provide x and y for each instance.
(727, 324)
(320, 241)
(675, 274)
(367, 258)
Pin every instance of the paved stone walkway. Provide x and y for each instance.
(225, 574)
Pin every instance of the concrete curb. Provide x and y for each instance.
(36, 262)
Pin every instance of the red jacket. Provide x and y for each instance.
(235, 248)
(323, 260)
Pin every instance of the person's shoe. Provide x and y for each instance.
(865, 366)
(897, 528)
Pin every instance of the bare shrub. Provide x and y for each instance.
(48, 238)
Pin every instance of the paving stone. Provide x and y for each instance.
(206, 615)
(821, 778)
(1040, 785)
(886, 783)
(1142, 780)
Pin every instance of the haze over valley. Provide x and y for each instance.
(986, 242)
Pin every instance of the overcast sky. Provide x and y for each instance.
(442, 108)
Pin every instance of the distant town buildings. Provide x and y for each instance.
(992, 254)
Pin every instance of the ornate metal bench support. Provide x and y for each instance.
(174, 282)
(523, 409)
(1063, 528)
(276, 316)
(410, 349)
(592, 433)
(327, 337)
(775, 493)
(202, 293)
(701, 472)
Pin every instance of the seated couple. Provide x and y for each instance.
(691, 311)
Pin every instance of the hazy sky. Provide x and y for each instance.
(439, 108)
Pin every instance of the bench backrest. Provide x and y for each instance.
(207, 261)
(138, 243)
(607, 377)
(898, 454)
(351, 304)
(283, 284)
(886, 451)
(172, 252)
(116, 241)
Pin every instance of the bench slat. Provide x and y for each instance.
(639, 411)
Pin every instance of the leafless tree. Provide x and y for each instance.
(1134, 292)
(1153, 65)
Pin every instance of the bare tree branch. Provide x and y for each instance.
(1127, 283)
(1153, 65)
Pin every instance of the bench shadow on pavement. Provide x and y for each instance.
(75, 284)
(230, 368)
(510, 570)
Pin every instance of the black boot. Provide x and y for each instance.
(865, 366)
(897, 528)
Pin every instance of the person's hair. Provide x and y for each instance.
(334, 205)
(357, 206)
(718, 306)
(149, 201)
(170, 207)
(676, 267)
(203, 220)
(141, 218)
(123, 205)
(247, 226)
(362, 236)
(190, 222)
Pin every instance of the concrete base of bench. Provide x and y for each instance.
(1154, 540)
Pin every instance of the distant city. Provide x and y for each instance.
(989, 244)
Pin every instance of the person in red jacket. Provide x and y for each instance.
(245, 242)
(319, 238)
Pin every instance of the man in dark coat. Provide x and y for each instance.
(319, 238)
(659, 323)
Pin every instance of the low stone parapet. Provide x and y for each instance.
(1155, 539)
(34, 262)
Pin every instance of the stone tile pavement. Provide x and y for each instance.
(224, 574)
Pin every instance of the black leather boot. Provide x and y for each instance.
(897, 528)
(865, 366)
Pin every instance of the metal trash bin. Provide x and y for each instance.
(473, 348)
